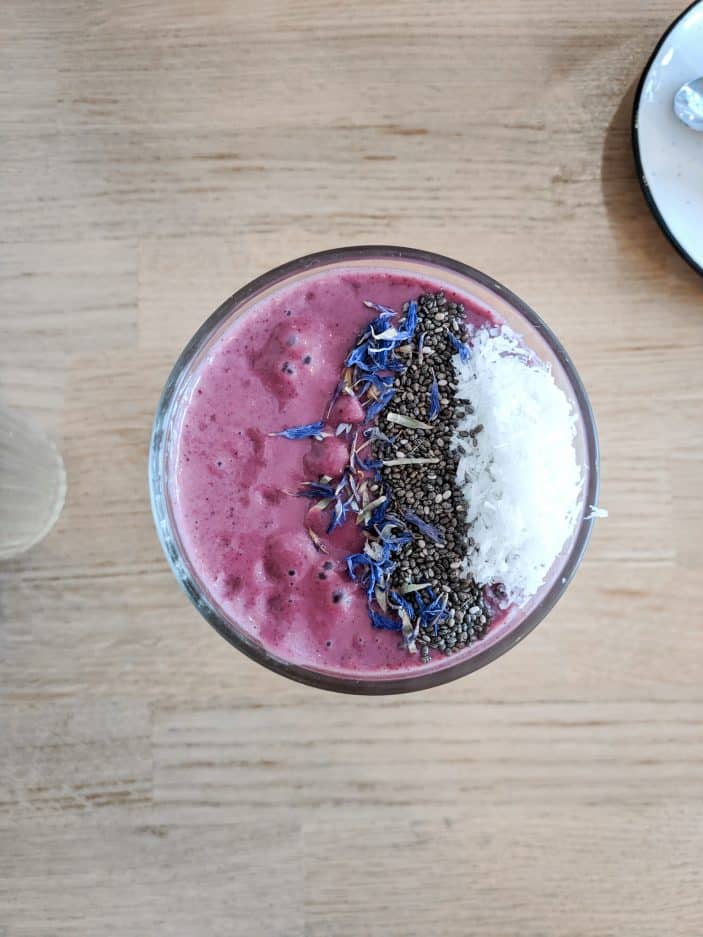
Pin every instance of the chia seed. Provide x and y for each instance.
(436, 496)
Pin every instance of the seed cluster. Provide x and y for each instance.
(431, 492)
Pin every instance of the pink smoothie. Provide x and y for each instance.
(233, 488)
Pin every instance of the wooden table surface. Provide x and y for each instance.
(154, 157)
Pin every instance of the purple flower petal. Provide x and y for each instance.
(410, 323)
(427, 529)
(383, 621)
(434, 400)
(315, 491)
(461, 347)
(301, 432)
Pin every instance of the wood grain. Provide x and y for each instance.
(155, 157)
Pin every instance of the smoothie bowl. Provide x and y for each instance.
(373, 470)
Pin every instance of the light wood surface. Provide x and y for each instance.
(154, 157)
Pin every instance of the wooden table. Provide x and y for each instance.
(155, 156)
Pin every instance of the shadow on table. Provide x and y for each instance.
(639, 237)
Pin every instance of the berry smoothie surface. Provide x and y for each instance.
(233, 489)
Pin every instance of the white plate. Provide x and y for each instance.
(669, 155)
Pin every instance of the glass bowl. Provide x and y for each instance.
(518, 622)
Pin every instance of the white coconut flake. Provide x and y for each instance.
(596, 512)
(521, 479)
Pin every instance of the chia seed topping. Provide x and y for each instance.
(427, 389)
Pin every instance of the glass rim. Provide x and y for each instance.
(228, 629)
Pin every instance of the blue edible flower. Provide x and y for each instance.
(367, 465)
(411, 319)
(383, 621)
(316, 490)
(380, 382)
(373, 411)
(338, 515)
(427, 529)
(434, 400)
(357, 355)
(357, 559)
(435, 612)
(378, 516)
(374, 572)
(301, 432)
(403, 603)
(461, 347)
(385, 313)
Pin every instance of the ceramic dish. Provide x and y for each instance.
(669, 155)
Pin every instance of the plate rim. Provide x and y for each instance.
(644, 185)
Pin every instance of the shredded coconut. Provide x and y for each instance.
(596, 512)
(520, 475)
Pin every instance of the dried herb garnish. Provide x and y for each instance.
(317, 542)
(411, 461)
(410, 422)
